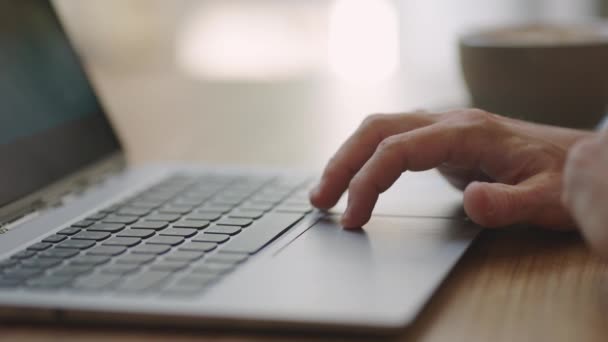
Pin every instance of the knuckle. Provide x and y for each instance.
(357, 184)
(390, 144)
(473, 120)
(478, 117)
(374, 121)
(421, 117)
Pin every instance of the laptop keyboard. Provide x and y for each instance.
(176, 238)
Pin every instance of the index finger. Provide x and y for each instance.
(357, 149)
(418, 150)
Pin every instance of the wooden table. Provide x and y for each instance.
(512, 285)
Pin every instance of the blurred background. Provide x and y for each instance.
(273, 81)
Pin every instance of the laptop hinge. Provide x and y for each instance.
(58, 193)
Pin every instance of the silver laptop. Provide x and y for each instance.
(87, 239)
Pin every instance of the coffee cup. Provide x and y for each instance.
(552, 74)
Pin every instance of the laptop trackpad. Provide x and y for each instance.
(385, 271)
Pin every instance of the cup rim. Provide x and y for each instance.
(483, 37)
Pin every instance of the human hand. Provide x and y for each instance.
(510, 170)
(586, 189)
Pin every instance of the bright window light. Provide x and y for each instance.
(363, 40)
(246, 40)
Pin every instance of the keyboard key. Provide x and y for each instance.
(97, 282)
(54, 238)
(162, 217)
(239, 222)
(83, 224)
(185, 232)
(261, 232)
(198, 246)
(227, 258)
(144, 281)
(222, 203)
(295, 208)
(8, 283)
(97, 236)
(107, 250)
(72, 270)
(146, 204)
(214, 268)
(181, 210)
(231, 197)
(184, 256)
(21, 273)
(182, 290)
(266, 199)
(69, 231)
(136, 233)
(169, 265)
(40, 246)
(217, 238)
(23, 255)
(122, 241)
(256, 207)
(191, 224)
(59, 253)
(150, 249)
(107, 227)
(249, 214)
(154, 225)
(89, 260)
(49, 282)
(121, 219)
(189, 201)
(197, 279)
(76, 244)
(229, 230)
(165, 240)
(199, 194)
(203, 216)
(296, 202)
(133, 211)
(40, 263)
(121, 269)
(7, 263)
(135, 259)
(215, 208)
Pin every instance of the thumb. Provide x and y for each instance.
(498, 204)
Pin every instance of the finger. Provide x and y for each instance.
(353, 154)
(461, 177)
(586, 191)
(536, 200)
(581, 158)
(417, 150)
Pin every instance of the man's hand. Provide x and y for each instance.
(510, 170)
(586, 189)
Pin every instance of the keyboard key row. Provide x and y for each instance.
(162, 230)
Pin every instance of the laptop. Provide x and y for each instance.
(87, 238)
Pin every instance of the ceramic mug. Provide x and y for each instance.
(552, 74)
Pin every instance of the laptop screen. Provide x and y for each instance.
(51, 123)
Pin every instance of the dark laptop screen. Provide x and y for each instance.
(51, 123)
